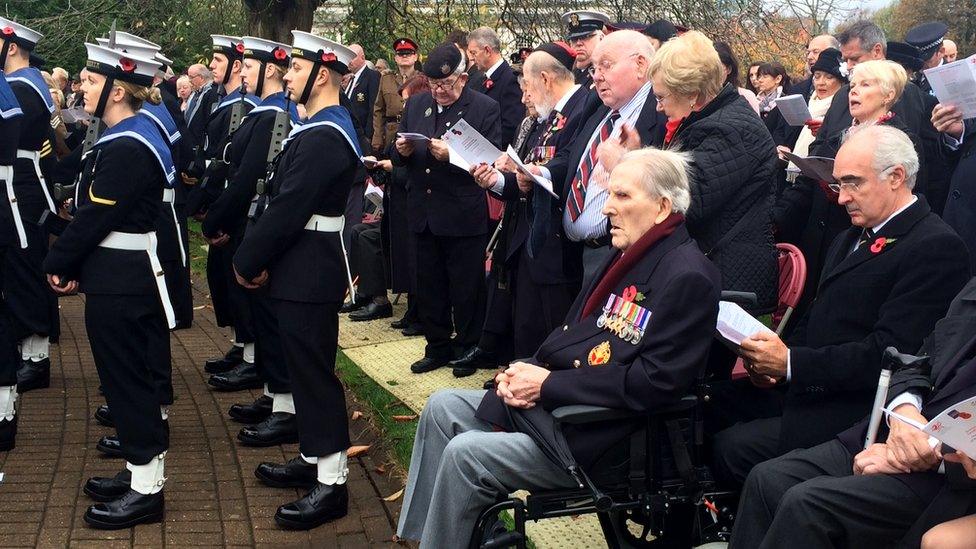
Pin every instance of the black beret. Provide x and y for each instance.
(927, 37)
(661, 30)
(906, 55)
(443, 61)
(830, 63)
(626, 25)
(561, 51)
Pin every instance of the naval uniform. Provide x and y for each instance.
(110, 249)
(297, 241)
(10, 119)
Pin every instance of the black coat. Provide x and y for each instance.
(505, 90)
(35, 125)
(682, 290)
(442, 197)
(197, 125)
(304, 266)
(734, 160)
(960, 208)
(362, 99)
(867, 302)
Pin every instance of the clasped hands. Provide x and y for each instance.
(258, 281)
(520, 385)
(907, 449)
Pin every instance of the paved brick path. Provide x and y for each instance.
(212, 497)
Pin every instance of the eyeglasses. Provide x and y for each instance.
(442, 85)
(607, 66)
(661, 98)
(853, 186)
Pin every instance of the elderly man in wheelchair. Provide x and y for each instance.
(573, 424)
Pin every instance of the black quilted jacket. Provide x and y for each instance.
(733, 178)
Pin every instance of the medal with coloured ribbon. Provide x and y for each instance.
(624, 318)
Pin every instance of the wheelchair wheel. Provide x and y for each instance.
(672, 528)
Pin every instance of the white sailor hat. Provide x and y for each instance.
(231, 46)
(131, 39)
(138, 47)
(24, 37)
(320, 50)
(121, 65)
(582, 23)
(266, 50)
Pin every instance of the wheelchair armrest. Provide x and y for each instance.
(585, 413)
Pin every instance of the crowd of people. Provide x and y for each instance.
(588, 270)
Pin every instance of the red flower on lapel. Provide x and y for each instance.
(559, 123)
(489, 83)
(629, 293)
(880, 243)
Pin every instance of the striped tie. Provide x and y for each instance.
(581, 180)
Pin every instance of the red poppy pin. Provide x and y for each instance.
(489, 83)
(559, 123)
(127, 65)
(328, 57)
(239, 47)
(8, 31)
(880, 243)
(280, 54)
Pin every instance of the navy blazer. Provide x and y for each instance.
(681, 289)
(505, 90)
(362, 99)
(960, 206)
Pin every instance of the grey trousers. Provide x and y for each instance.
(460, 466)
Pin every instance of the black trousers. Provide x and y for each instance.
(810, 499)
(180, 293)
(366, 259)
(309, 339)
(31, 301)
(230, 302)
(9, 357)
(450, 291)
(537, 308)
(269, 356)
(122, 331)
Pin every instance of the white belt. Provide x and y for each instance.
(169, 197)
(7, 175)
(35, 157)
(326, 224)
(144, 242)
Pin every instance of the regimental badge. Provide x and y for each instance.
(361, 97)
(623, 317)
(427, 112)
(574, 20)
(599, 355)
(445, 69)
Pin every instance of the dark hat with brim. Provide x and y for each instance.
(906, 55)
(443, 61)
(580, 24)
(927, 37)
(830, 62)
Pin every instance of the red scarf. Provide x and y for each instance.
(670, 127)
(623, 262)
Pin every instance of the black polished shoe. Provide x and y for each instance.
(297, 473)
(33, 375)
(400, 324)
(129, 510)
(350, 306)
(324, 503)
(244, 376)
(103, 416)
(220, 365)
(109, 446)
(8, 434)
(256, 412)
(412, 330)
(489, 385)
(464, 372)
(427, 364)
(279, 428)
(109, 488)
(475, 358)
(372, 311)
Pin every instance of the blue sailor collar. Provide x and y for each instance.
(336, 116)
(276, 102)
(9, 107)
(32, 77)
(160, 115)
(234, 96)
(143, 130)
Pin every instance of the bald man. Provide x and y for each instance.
(816, 45)
(950, 52)
(361, 90)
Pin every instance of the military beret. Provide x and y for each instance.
(443, 61)
(661, 30)
(626, 25)
(927, 37)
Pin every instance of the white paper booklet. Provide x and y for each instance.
(956, 426)
(468, 147)
(955, 84)
(539, 180)
(794, 109)
(735, 324)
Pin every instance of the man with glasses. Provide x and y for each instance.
(584, 30)
(886, 282)
(200, 102)
(448, 212)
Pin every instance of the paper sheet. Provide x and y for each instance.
(539, 180)
(814, 167)
(76, 114)
(374, 194)
(794, 109)
(955, 426)
(735, 324)
(955, 84)
(468, 147)
(410, 136)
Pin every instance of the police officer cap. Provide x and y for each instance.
(230, 46)
(266, 51)
(927, 37)
(23, 36)
(404, 44)
(906, 55)
(320, 50)
(580, 24)
(562, 52)
(121, 65)
(830, 63)
(627, 25)
(443, 61)
(661, 30)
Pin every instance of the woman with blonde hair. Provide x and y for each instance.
(108, 252)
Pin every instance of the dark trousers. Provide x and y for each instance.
(122, 330)
(450, 291)
(9, 357)
(309, 339)
(180, 293)
(366, 259)
(537, 308)
(269, 357)
(230, 302)
(160, 365)
(810, 498)
(31, 301)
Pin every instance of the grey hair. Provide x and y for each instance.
(486, 37)
(892, 147)
(867, 32)
(540, 61)
(663, 174)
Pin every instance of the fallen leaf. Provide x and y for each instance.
(380, 469)
(356, 450)
(405, 418)
(198, 307)
(394, 496)
(356, 415)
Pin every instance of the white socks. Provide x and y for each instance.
(148, 479)
(8, 397)
(283, 402)
(35, 348)
(164, 412)
(333, 469)
(249, 353)
(267, 391)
